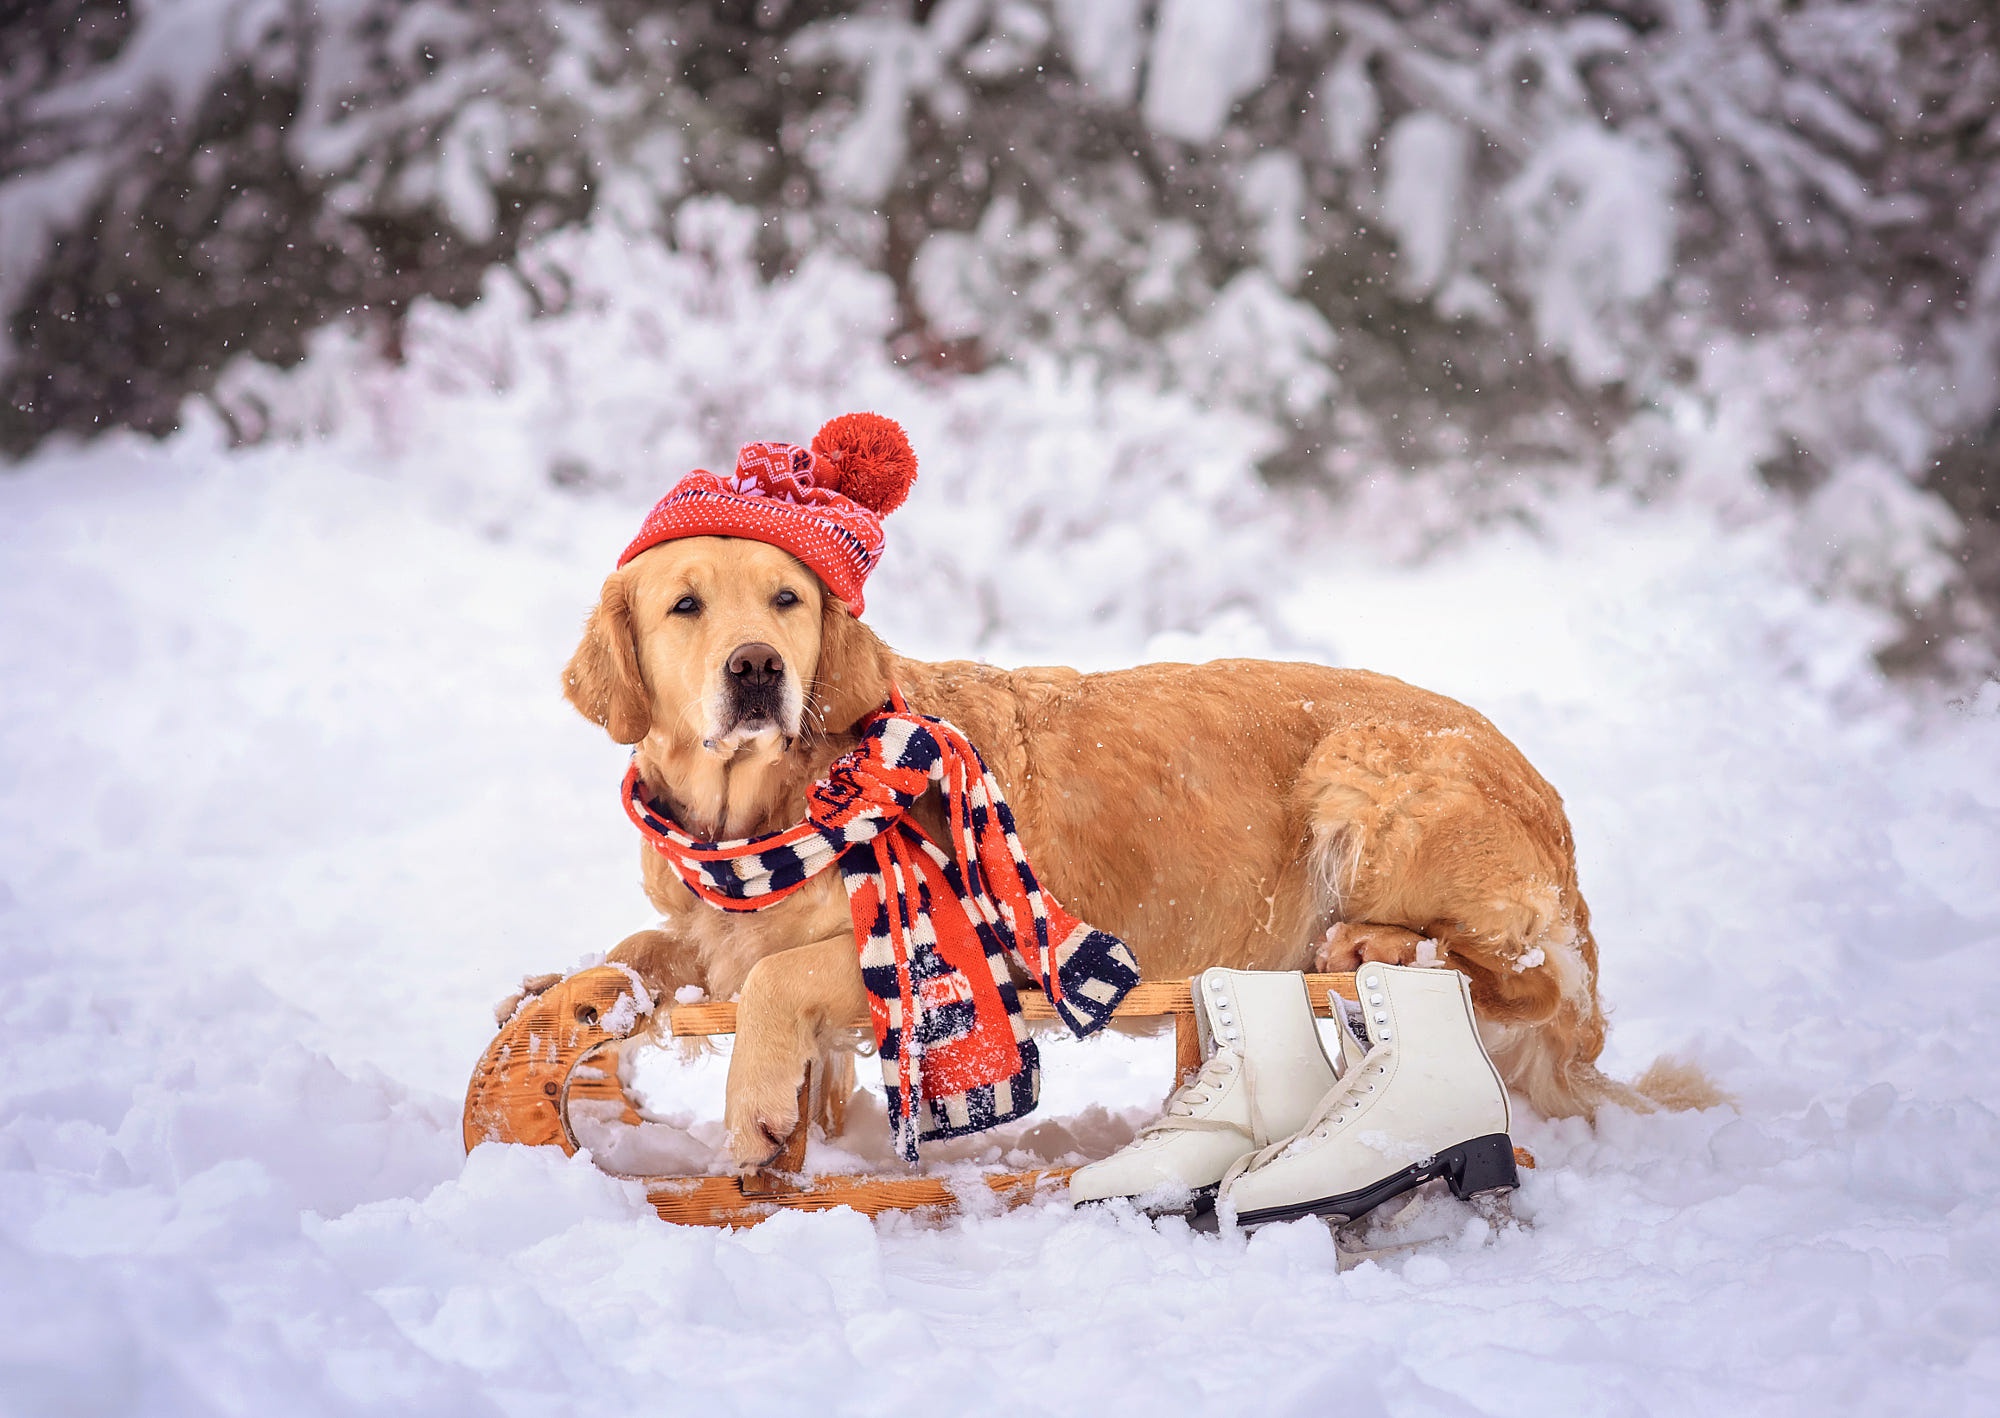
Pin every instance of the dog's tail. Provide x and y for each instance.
(1679, 1085)
(1669, 1084)
(1560, 1086)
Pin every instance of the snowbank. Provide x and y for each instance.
(288, 798)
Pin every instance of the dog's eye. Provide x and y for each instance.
(787, 597)
(687, 605)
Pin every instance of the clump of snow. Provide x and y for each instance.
(35, 207)
(1423, 193)
(1105, 41)
(1204, 58)
(630, 1008)
(1602, 205)
(623, 1016)
(287, 791)
(1273, 194)
(1395, 1149)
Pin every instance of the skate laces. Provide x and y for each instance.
(1362, 1078)
(1215, 1072)
(1203, 1087)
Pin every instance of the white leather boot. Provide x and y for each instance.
(1262, 1071)
(1425, 1101)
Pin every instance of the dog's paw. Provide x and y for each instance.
(664, 962)
(531, 985)
(1349, 944)
(760, 1121)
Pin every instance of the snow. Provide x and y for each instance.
(1104, 40)
(1204, 58)
(863, 159)
(175, 53)
(1427, 156)
(1273, 194)
(1351, 107)
(35, 206)
(288, 799)
(1600, 203)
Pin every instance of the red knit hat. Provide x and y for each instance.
(823, 504)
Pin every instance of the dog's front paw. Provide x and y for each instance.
(760, 1120)
(665, 962)
(1349, 943)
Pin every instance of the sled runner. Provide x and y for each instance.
(559, 1048)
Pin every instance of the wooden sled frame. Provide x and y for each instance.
(540, 1061)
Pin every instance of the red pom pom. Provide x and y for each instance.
(867, 458)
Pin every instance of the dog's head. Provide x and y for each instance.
(718, 643)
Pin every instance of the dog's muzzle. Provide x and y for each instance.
(755, 680)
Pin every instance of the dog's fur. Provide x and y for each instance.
(1242, 813)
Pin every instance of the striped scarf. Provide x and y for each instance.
(935, 933)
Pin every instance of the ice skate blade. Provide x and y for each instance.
(1483, 1164)
(1199, 1212)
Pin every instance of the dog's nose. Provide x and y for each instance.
(756, 665)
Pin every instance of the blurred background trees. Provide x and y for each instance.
(1739, 250)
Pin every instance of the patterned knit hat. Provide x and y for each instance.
(823, 504)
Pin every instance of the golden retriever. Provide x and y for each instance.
(1242, 813)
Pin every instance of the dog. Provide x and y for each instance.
(1242, 813)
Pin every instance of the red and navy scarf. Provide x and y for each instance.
(934, 931)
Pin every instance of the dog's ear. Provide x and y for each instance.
(853, 677)
(602, 678)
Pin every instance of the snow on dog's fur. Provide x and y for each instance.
(1242, 813)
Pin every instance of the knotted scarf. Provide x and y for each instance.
(935, 932)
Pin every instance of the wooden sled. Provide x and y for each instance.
(541, 1061)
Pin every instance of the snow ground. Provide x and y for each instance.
(288, 797)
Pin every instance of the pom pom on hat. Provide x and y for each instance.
(868, 459)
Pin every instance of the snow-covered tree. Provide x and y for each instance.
(1739, 250)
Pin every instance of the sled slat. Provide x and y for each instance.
(1148, 999)
(728, 1201)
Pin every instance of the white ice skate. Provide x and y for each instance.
(1424, 1101)
(1262, 1071)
